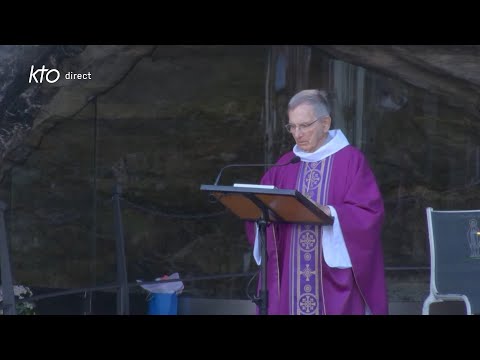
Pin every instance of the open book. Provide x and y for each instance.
(256, 186)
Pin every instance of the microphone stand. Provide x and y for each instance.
(293, 160)
(236, 165)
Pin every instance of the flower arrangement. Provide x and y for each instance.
(21, 292)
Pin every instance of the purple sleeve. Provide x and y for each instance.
(361, 217)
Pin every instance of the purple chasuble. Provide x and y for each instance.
(299, 280)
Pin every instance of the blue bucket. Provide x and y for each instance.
(162, 304)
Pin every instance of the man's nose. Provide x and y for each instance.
(297, 132)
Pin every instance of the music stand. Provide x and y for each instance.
(265, 206)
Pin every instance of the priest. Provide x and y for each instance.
(330, 269)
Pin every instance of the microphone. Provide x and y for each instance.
(293, 160)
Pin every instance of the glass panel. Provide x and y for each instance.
(423, 151)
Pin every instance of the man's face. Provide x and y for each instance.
(308, 131)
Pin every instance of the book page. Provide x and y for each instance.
(256, 186)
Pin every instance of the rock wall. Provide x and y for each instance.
(162, 120)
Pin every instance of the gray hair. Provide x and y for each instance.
(316, 98)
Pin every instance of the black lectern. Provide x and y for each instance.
(264, 205)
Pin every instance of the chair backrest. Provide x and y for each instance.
(454, 238)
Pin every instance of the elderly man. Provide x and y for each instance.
(334, 269)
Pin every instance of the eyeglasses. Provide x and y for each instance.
(302, 127)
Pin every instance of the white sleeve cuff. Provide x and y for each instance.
(256, 247)
(334, 249)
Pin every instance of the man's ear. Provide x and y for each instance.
(327, 122)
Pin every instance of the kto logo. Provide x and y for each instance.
(51, 75)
